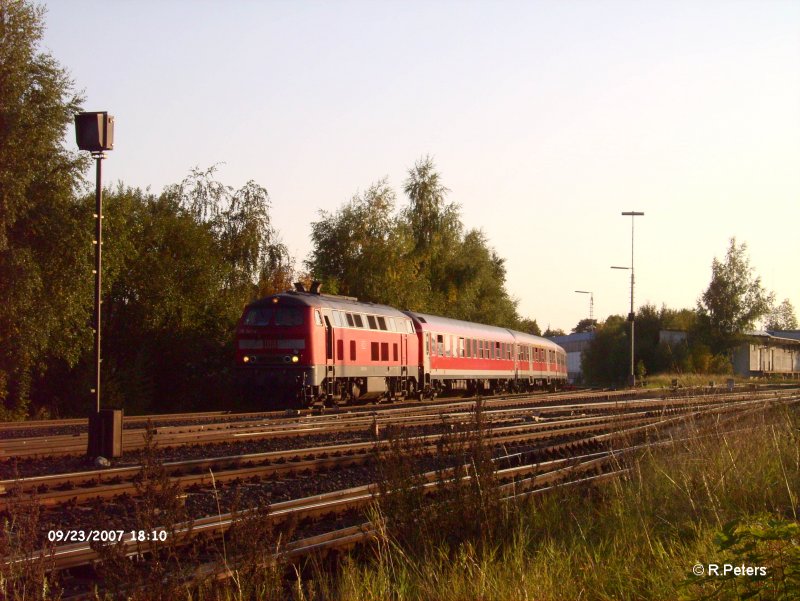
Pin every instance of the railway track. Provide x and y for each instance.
(54, 490)
(107, 483)
(10, 428)
(175, 436)
(531, 477)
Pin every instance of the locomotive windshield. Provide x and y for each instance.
(277, 316)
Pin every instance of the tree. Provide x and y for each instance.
(363, 250)
(733, 301)
(433, 221)
(585, 325)
(178, 269)
(781, 317)
(45, 277)
(416, 259)
(607, 358)
(549, 333)
(529, 326)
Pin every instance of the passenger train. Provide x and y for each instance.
(308, 347)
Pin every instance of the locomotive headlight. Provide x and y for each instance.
(245, 359)
(295, 358)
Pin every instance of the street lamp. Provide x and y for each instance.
(631, 315)
(95, 132)
(591, 305)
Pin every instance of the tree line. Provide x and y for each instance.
(180, 265)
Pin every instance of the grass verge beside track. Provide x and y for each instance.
(731, 497)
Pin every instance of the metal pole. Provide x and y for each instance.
(631, 316)
(632, 377)
(98, 258)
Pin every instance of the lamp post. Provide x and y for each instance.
(631, 315)
(591, 305)
(95, 132)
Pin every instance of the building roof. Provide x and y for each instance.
(790, 337)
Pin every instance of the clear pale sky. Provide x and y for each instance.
(545, 119)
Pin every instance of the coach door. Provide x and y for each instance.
(330, 349)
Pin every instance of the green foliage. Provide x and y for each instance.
(417, 258)
(769, 546)
(585, 325)
(607, 359)
(43, 274)
(529, 326)
(360, 250)
(178, 268)
(781, 317)
(733, 301)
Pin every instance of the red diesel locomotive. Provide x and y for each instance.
(307, 347)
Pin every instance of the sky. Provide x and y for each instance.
(546, 120)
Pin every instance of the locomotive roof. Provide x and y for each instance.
(330, 301)
(434, 322)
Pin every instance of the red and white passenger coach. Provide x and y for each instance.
(306, 347)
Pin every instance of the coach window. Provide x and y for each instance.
(447, 345)
(469, 348)
(359, 321)
(381, 323)
(460, 347)
(440, 345)
(427, 343)
(317, 317)
(373, 324)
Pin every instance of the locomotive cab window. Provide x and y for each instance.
(358, 320)
(288, 316)
(337, 319)
(317, 317)
(259, 316)
(373, 324)
(390, 323)
(381, 323)
(350, 321)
